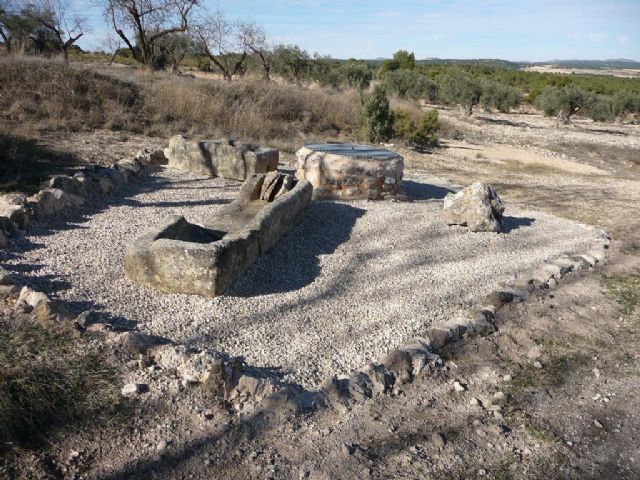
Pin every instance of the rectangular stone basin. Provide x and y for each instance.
(182, 257)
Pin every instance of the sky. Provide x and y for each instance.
(518, 30)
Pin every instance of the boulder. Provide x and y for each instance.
(477, 207)
(16, 214)
(38, 302)
(52, 200)
(68, 184)
(15, 198)
(221, 158)
(151, 157)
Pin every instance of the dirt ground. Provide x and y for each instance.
(553, 394)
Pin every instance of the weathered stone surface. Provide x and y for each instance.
(350, 171)
(255, 387)
(360, 386)
(400, 363)
(51, 201)
(15, 198)
(221, 158)
(4, 241)
(206, 259)
(68, 184)
(5, 277)
(151, 157)
(38, 302)
(478, 207)
(16, 214)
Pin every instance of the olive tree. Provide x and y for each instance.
(292, 62)
(459, 88)
(563, 102)
(142, 23)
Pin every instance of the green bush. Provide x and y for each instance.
(410, 84)
(563, 102)
(500, 97)
(600, 108)
(624, 103)
(376, 115)
(355, 74)
(422, 134)
(459, 88)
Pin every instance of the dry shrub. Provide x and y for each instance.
(251, 110)
(49, 380)
(50, 95)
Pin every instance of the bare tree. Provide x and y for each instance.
(58, 17)
(16, 28)
(222, 43)
(112, 44)
(141, 23)
(5, 33)
(254, 39)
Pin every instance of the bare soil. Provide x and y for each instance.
(557, 386)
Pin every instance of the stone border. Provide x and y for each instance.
(233, 382)
(65, 192)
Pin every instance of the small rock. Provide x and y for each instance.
(507, 378)
(162, 445)
(131, 389)
(499, 396)
(438, 440)
(481, 433)
(482, 472)
(348, 449)
(475, 402)
(598, 424)
(537, 365)
(458, 387)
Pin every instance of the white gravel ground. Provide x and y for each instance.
(350, 283)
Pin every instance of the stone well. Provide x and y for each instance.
(350, 171)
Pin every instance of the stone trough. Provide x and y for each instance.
(221, 158)
(350, 171)
(182, 257)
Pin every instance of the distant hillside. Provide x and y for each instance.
(618, 63)
(598, 64)
(494, 62)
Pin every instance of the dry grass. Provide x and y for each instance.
(49, 379)
(251, 110)
(49, 95)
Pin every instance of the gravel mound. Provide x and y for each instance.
(351, 282)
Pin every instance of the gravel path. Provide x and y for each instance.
(350, 283)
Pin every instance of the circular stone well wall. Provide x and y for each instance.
(351, 171)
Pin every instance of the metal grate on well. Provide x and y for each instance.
(368, 152)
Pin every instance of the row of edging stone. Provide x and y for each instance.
(421, 355)
(230, 379)
(63, 193)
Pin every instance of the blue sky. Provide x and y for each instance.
(534, 30)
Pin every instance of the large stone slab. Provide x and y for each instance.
(351, 171)
(221, 158)
(182, 257)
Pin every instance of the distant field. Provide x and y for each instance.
(621, 72)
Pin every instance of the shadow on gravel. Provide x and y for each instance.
(294, 262)
(508, 123)
(513, 223)
(424, 191)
